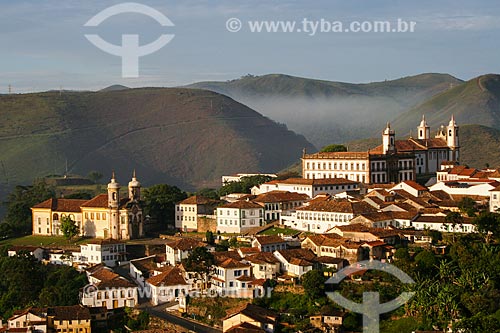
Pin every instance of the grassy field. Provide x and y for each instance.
(42, 241)
(276, 231)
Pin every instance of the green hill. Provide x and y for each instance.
(476, 101)
(179, 136)
(478, 145)
(327, 112)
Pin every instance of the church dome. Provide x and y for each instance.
(113, 184)
(134, 182)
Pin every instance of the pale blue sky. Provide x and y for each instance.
(43, 43)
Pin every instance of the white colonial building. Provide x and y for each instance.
(107, 251)
(190, 210)
(322, 215)
(239, 216)
(392, 162)
(310, 187)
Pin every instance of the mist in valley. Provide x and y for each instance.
(328, 120)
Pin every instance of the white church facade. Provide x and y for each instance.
(104, 216)
(393, 161)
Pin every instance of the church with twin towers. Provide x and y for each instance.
(393, 161)
(110, 215)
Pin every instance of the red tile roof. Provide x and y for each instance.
(316, 181)
(72, 312)
(415, 185)
(259, 314)
(271, 239)
(242, 204)
(172, 276)
(232, 263)
(185, 244)
(338, 155)
(341, 206)
(280, 196)
(99, 201)
(198, 200)
(62, 205)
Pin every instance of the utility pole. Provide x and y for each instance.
(10, 89)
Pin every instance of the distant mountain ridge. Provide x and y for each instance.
(476, 101)
(185, 137)
(328, 111)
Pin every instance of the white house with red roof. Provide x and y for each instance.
(269, 243)
(108, 289)
(188, 211)
(310, 187)
(107, 251)
(232, 278)
(321, 215)
(167, 286)
(411, 187)
(180, 249)
(276, 203)
(239, 216)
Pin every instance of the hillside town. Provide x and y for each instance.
(349, 207)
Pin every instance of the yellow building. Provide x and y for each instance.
(104, 216)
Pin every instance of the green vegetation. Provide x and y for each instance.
(26, 282)
(173, 136)
(18, 218)
(276, 231)
(333, 148)
(69, 227)
(160, 200)
(314, 284)
(200, 260)
(472, 102)
(31, 240)
(136, 322)
(244, 185)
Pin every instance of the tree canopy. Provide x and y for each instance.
(68, 227)
(243, 186)
(200, 260)
(19, 202)
(333, 148)
(160, 200)
(26, 282)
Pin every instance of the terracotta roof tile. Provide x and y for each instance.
(185, 244)
(271, 239)
(341, 206)
(172, 276)
(242, 204)
(280, 196)
(198, 200)
(62, 205)
(99, 201)
(73, 312)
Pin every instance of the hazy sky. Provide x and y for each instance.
(43, 45)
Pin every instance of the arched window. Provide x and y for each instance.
(55, 216)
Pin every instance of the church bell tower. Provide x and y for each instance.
(113, 204)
